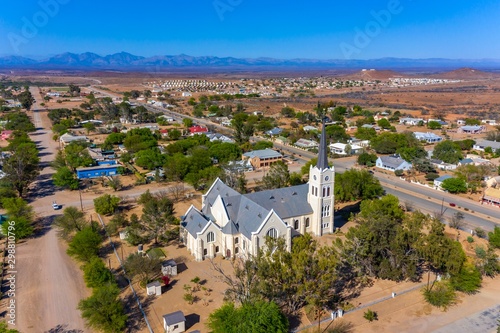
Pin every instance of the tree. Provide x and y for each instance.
(72, 220)
(434, 125)
(5, 329)
(90, 127)
(456, 221)
(337, 133)
(144, 267)
(367, 159)
(21, 218)
(73, 89)
(96, 274)
(258, 317)
(288, 112)
(494, 237)
(447, 151)
(106, 204)
(356, 185)
(26, 99)
(103, 311)
(440, 294)
(278, 176)
(19, 121)
(85, 244)
(65, 178)
(467, 280)
(21, 168)
(157, 214)
(454, 185)
(77, 155)
(115, 183)
(188, 122)
(370, 315)
(364, 133)
(384, 123)
(262, 145)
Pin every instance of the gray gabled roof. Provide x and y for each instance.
(174, 318)
(487, 143)
(442, 178)
(392, 161)
(194, 221)
(287, 202)
(218, 188)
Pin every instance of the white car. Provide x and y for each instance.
(56, 206)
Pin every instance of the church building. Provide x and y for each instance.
(231, 224)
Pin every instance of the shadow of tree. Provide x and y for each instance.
(63, 328)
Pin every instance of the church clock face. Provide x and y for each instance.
(327, 178)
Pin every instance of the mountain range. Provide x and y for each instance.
(127, 61)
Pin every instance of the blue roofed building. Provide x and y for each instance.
(231, 224)
(97, 171)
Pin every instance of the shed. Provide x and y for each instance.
(169, 267)
(153, 288)
(174, 322)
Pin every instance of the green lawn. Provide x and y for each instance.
(159, 253)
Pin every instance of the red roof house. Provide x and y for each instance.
(5, 135)
(197, 130)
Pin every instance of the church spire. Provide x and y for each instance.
(323, 150)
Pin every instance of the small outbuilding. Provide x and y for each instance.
(153, 288)
(97, 171)
(174, 322)
(169, 267)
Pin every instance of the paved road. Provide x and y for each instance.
(428, 200)
(50, 284)
(481, 322)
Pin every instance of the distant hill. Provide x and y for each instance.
(127, 61)
(373, 74)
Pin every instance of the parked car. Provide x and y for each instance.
(56, 206)
(452, 204)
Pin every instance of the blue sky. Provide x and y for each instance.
(321, 29)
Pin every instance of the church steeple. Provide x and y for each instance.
(322, 163)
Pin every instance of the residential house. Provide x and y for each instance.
(186, 94)
(460, 122)
(231, 224)
(219, 137)
(392, 163)
(67, 138)
(240, 166)
(493, 182)
(281, 140)
(306, 144)
(491, 122)
(492, 197)
(428, 137)
(481, 145)
(164, 133)
(174, 322)
(475, 160)
(361, 143)
(309, 128)
(474, 129)
(275, 131)
(375, 127)
(5, 135)
(262, 158)
(442, 165)
(439, 181)
(411, 121)
(345, 149)
(197, 129)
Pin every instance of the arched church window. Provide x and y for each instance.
(210, 237)
(296, 224)
(273, 233)
(307, 222)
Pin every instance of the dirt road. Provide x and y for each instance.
(49, 283)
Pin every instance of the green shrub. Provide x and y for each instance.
(370, 315)
(440, 294)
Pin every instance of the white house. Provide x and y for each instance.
(306, 144)
(392, 163)
(345, 149)
(309, 128)
(439, 181)
(67, 138)
(442, 165)
(231, 224)
(474, 129)
(174, 322)
(480, 145)
(219, 137)
(411, 121)
(428, 137)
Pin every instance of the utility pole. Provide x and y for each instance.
(81, 202)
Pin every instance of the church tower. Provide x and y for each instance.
(321, 192)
